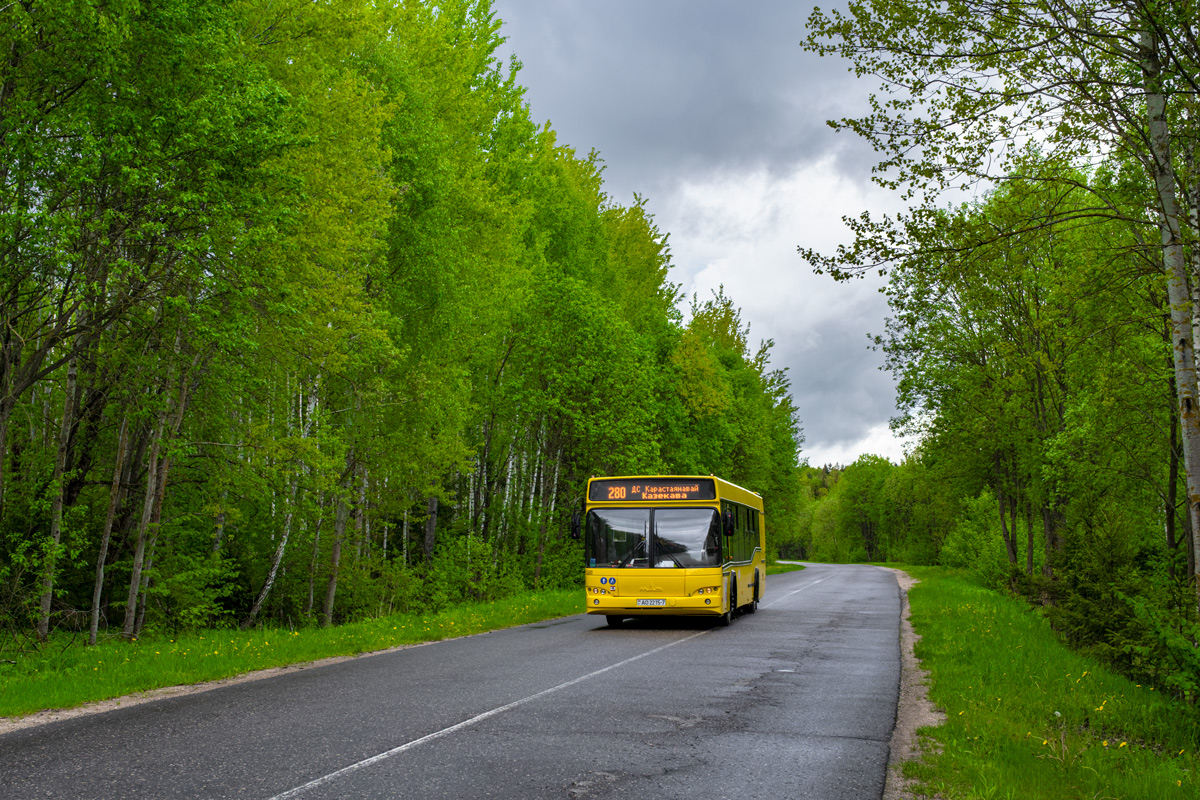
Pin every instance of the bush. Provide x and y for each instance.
(974, 542)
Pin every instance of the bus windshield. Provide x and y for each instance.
(682, 537)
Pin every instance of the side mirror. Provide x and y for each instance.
(729, 523)
(575, 525)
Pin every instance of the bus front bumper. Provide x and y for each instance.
(704, 605)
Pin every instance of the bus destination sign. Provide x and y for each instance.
(648, 490)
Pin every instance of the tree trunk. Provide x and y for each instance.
(10, 362)
(143, 531)
(1175, 266)
(431, 510)
(1171, 504)
(1193, 215)
(276, 560)
(219, 523)
(340, 517)
(164, 470)
(335, 558)
(56, 507)
(1192, 200)
(362, 531)
(307, 411)
(144, 588)
(1190, 540)
(1053, 541)
(7, 404)
(156, 488)
(1009, 544)
(1029, 539)
(312, 562)
(114, 501)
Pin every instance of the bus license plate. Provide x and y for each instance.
(659, 602)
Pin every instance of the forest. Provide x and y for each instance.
(304, 320)
(1044, 288)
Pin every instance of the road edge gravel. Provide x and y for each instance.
(914, 709)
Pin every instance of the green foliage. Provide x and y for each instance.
(1032, 358)
(560, 566)
(349, 332)
(1041, 334)
(188, 593)
(1161, 648)
(875, 511)
(972, 543)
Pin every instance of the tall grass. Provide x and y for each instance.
(65, 675)
(1027, 718)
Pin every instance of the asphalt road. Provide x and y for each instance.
(795, 701)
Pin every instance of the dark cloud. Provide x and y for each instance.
(664, 87)
(712, 111)
(838, 386)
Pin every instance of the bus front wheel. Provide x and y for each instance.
(727, 617)
(613, 620)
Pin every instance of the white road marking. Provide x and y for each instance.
(313, 784)
(795, 591)
(375, 759)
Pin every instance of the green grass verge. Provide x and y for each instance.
(66, 674)
(1029, 719)
(778, 567)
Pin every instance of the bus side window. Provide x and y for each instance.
(741, 533)
(746, 551)
(735, 544)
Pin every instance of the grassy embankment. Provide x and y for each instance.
(1029, 719)
(66, 674)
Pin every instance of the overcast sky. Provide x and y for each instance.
(711, 111)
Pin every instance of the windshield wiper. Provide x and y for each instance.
(668, 555)
(629, 556)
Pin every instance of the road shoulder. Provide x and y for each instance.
(914, 711)
(11, 724)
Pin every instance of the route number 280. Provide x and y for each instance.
(616, 493)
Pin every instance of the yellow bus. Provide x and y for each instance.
(672, 545)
